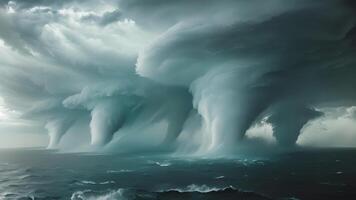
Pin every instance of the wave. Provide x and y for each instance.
(118, 171)
(164, 164)
(161, 164)
(201, 189)
(88, 182)
(119, 194)
(16, 196)
(28, 176)
(191, 192)
(85, 182)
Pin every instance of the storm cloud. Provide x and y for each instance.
(175, 75)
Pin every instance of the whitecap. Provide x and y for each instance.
(85, 182)
(201, 188)
(88, 182)
(107, 182)
(163, 164)
(108, 195)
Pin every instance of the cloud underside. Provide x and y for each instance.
(178, 75)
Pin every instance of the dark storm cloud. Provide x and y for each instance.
(160, 14)
(161, 66)
(303, 56)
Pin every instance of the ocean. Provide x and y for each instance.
(306, 174)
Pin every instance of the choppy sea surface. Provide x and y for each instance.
(42, 174)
